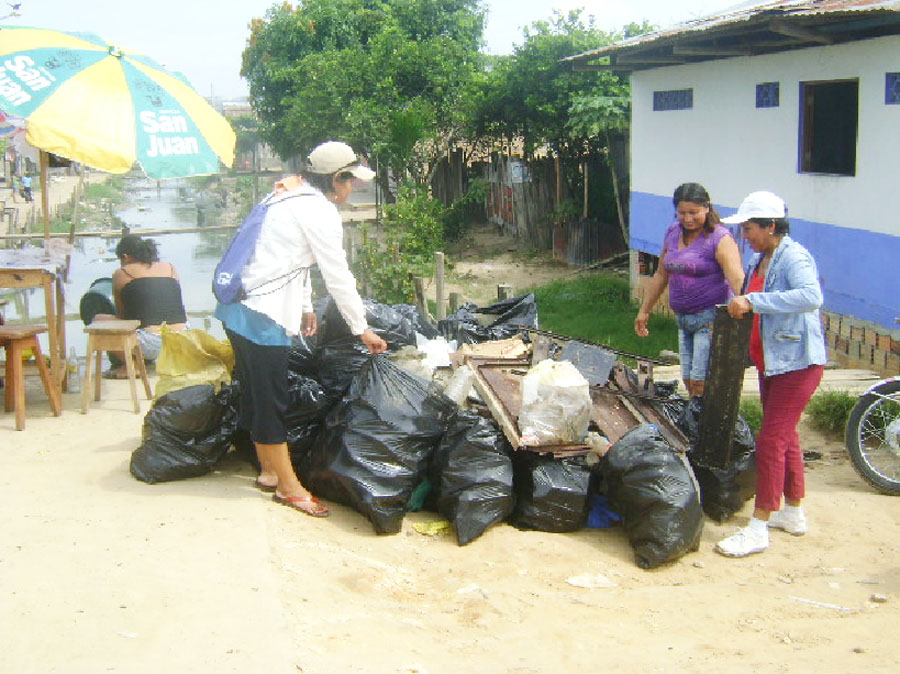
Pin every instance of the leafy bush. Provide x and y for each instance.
(412, 230)
(828, 411)
(751, 410)
(465, 210)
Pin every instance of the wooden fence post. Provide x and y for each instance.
(421, 302)
(455, 302)
(439, 285)
(504, 291)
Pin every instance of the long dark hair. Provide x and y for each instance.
(142, 250)
(695, 193)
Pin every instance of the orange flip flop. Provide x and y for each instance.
(308, 505)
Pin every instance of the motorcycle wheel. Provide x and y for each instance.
(873, 437)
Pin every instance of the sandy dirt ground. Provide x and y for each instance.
(102, 573)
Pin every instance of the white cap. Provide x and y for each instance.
(334, 157)
(758, 205)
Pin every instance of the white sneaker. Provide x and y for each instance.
(745, 542)
(794, 524)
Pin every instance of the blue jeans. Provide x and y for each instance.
(694, 335)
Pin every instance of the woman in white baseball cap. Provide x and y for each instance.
(302, 227)
(788, 348)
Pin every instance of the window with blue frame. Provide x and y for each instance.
(767, 95)
(674, 99)
(892, 88)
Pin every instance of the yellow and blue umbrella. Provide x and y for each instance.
(86, 100)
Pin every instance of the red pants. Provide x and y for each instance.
(779, 459)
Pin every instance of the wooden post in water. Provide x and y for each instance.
(504, 291)
(439, 285)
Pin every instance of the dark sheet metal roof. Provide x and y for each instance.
(762, 28)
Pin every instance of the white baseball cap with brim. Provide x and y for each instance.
(758, 205)
(334, 157)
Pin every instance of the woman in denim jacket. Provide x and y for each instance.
(788, 348)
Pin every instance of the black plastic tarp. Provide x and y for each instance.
(512, 316)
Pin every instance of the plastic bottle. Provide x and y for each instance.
(73, 372)
(460, 384)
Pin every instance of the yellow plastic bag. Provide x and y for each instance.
(192, 357)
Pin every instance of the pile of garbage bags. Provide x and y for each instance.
(365, 432)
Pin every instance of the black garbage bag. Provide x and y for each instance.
(340, 354)
(512, 317)
(723, 492)
(551, 493)
(300, 440)
(388, 323)
(472, 475)
(374, 446)
(307, 407)
(411, 313)
(302, 355)
(185, 434)
(651, 486)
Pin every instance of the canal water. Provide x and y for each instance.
(195, 255)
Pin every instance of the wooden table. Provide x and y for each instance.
(34, 268)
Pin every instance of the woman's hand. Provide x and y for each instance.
(640, 324)
(309, 324)
(373, 342)
(738, 306)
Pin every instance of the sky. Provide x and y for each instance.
(204, 38)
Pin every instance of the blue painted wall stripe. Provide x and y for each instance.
(858, 269)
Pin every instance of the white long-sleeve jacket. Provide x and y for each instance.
(301, 228)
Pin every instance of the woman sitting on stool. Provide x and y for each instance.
(146, 290)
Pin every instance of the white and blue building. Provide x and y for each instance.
(800, 98)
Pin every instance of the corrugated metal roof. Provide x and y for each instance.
(736, 18)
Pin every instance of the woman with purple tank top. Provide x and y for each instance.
(701, 265)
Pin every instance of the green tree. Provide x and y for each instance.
(529, 94)
(390, 77)
(248, 137)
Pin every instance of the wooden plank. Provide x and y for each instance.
(611, 417)
(498, 411)
(499, 385)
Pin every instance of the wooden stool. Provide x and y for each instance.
(16, 339)
(114, 336)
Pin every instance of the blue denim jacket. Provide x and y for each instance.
(788, 310)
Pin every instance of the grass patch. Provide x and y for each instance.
(751, 410)
(599, 309)
(828, 411)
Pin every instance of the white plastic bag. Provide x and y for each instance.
(556, 405)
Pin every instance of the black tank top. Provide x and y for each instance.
(153, 300)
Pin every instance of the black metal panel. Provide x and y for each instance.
(722, 394)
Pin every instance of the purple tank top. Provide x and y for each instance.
(696, 280)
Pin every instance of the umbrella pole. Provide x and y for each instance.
(45, 194)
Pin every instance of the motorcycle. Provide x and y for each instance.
(873, 436)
